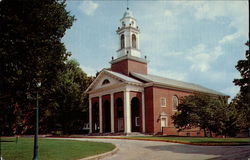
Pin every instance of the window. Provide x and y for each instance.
(123, 24)
(137, 121)
(163, 102)
(175, 102)
(122, 41)
(133, 41)
(164, 122)
(106, 81)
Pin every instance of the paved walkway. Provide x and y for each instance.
(149, 150)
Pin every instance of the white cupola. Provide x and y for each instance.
(128, 36)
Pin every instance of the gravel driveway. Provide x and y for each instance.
(149, 150)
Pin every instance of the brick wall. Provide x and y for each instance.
(149, 110)
(168, 94)
(127, 65)
(187, 132)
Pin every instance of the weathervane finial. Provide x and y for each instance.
(127, 5)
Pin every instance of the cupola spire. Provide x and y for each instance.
(128, 34)
(128, 54)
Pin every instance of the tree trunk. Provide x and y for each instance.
(211, 133)
(205, 133)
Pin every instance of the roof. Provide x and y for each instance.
(122, 77)
(128, 13)
(175, 83)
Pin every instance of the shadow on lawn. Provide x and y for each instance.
(222, 152)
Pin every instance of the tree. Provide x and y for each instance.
(70, 112)
(242, 100)
(31, 50)
(225, 118)
(210, 113)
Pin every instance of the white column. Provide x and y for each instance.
(127, 112)
(90, 116)
(143, 112)
(112, 113)
(100, 114)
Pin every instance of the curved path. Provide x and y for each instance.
(151, 150)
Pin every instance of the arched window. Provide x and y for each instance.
(122, 41)
(106, 81)
(175, 102)
(133, 41)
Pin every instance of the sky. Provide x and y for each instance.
(193, 41)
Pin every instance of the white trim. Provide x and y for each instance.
(100, 114)
(121, 88)
(106, 92)
(164, 104)
(165, 122)
(112, 112)
(90, 115)
(143, 112)
(95, 81)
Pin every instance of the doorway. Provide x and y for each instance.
(135, 115)
(106, 117)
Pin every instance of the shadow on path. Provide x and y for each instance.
(223, 152)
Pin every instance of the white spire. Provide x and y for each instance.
(128, 36)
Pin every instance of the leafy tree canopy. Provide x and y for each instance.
(242, 100)
(69, 111)
(210, 113)
(31, 50)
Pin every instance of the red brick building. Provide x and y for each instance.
(125, 98)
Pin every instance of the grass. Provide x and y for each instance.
(52, 149)
(197, 140)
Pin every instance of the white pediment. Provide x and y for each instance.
(105, 81)
(108, 79)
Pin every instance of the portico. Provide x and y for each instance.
(116, 107)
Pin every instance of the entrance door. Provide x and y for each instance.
(120, 125)
(107, 117)
(120, 115)
(135, 114)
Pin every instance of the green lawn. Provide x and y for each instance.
(50, 149)
(198, 140)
